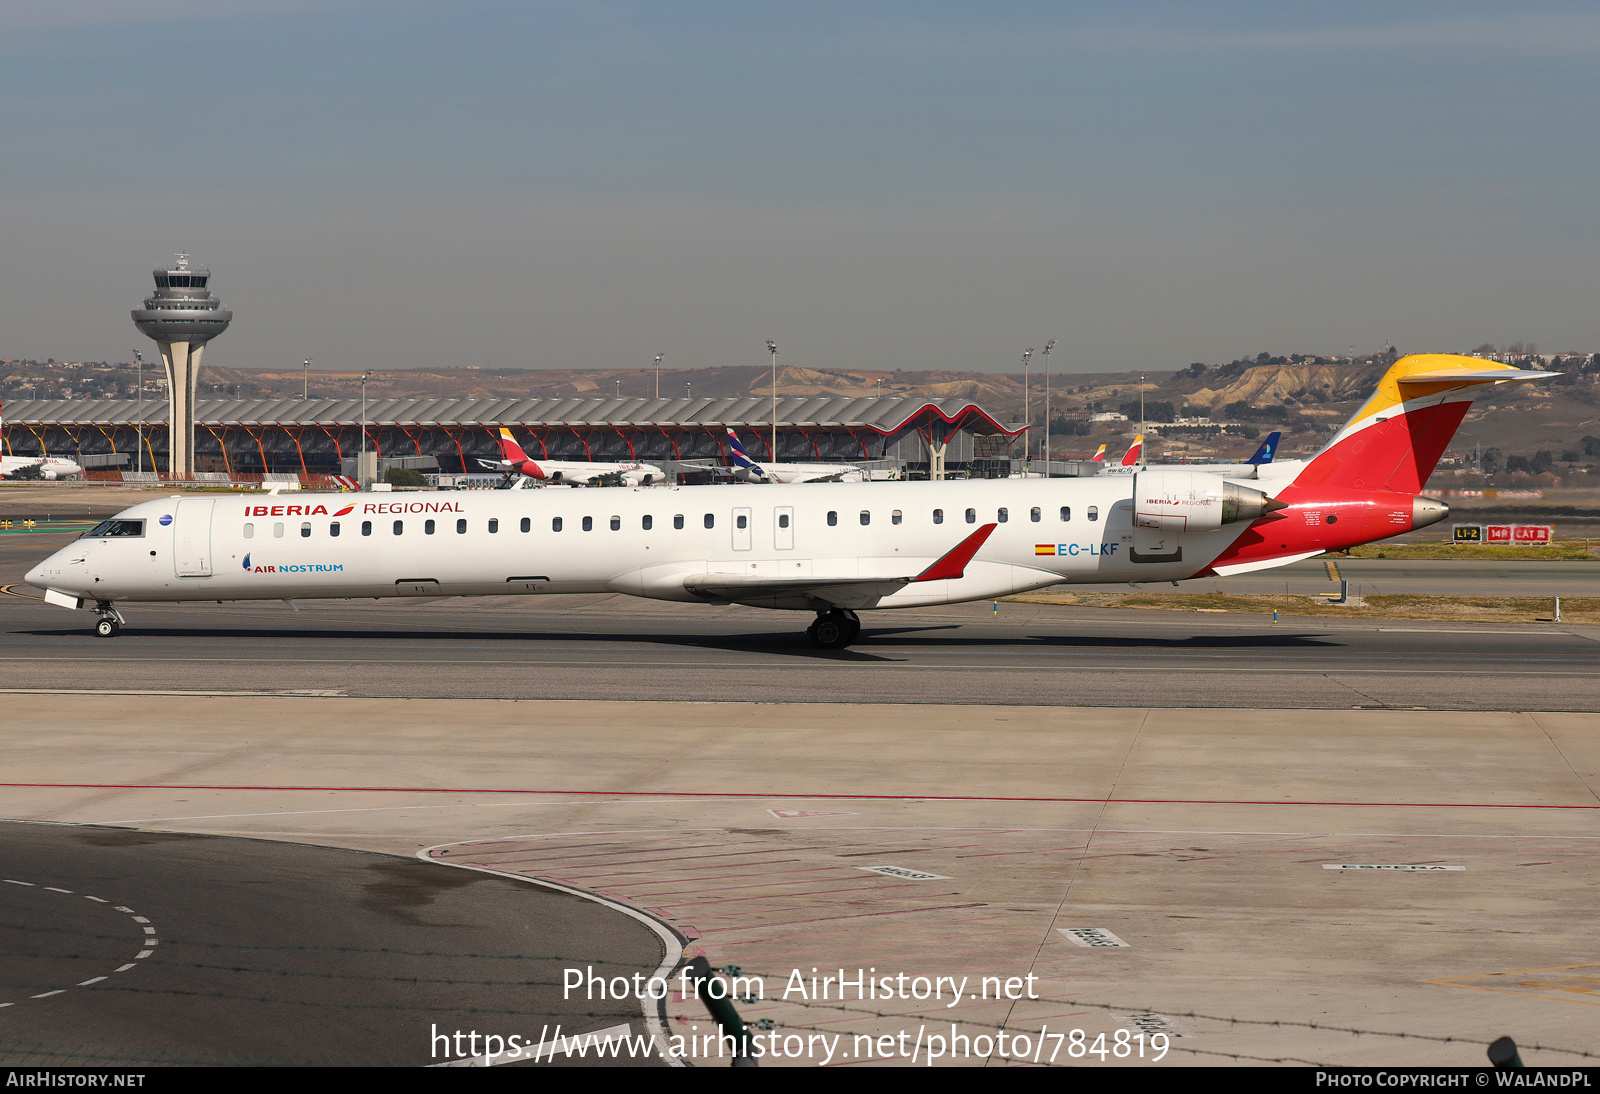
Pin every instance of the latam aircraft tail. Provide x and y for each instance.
(741, 458)
(1394, 441)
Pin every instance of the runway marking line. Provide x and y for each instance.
(1434, 630)
(735, 795)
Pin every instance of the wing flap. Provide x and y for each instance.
(951, 566)
(739, 588)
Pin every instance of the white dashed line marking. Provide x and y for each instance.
(144, 923)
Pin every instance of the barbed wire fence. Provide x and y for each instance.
(839, 1013)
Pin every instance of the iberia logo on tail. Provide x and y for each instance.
(511, 452)
(1370, 477)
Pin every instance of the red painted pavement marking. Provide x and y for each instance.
(770, 796)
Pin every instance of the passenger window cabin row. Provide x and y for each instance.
(647, 522)
(430, 527)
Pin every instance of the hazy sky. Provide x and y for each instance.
(913, 185)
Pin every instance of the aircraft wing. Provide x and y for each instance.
(843, 592)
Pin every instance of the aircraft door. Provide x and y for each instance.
(741, 530)
(783, 528)
(191, 537)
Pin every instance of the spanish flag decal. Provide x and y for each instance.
(1044, 548)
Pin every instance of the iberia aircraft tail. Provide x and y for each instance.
(1100, 454)
(1366, 484)
(510, 450)
(1394, 441)
(515, 458)
(1132, 456)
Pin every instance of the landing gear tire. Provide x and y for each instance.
(834, 630)
(107, 628)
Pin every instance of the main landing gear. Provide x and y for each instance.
(834, 629)
(110, 623)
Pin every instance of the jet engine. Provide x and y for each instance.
(1170, 504)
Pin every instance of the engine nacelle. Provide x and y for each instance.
(1170, 504)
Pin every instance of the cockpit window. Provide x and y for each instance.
(118, 528)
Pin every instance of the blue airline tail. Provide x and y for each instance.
(1268, 449)
(741, 458)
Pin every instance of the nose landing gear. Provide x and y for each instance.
(111, 621)
(834, 629)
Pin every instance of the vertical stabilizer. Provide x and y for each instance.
(510, 450)
(1394, 441)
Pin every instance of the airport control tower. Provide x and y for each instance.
(182, 317)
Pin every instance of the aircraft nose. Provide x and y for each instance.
(48, 570)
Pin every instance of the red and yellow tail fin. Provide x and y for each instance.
(1394, 441)
(1131, 457)
(1100, 454)
(510, 450)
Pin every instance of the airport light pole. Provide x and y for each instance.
(1141, 405)
(138, 355)
(361, 467)
(1048, 346)
(772, 348)
(305, 370)
(1027, 415)
(658, 374)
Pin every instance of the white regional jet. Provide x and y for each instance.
(832, 549)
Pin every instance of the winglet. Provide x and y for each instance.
(954, 564)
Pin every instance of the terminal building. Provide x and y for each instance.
(250, 437)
